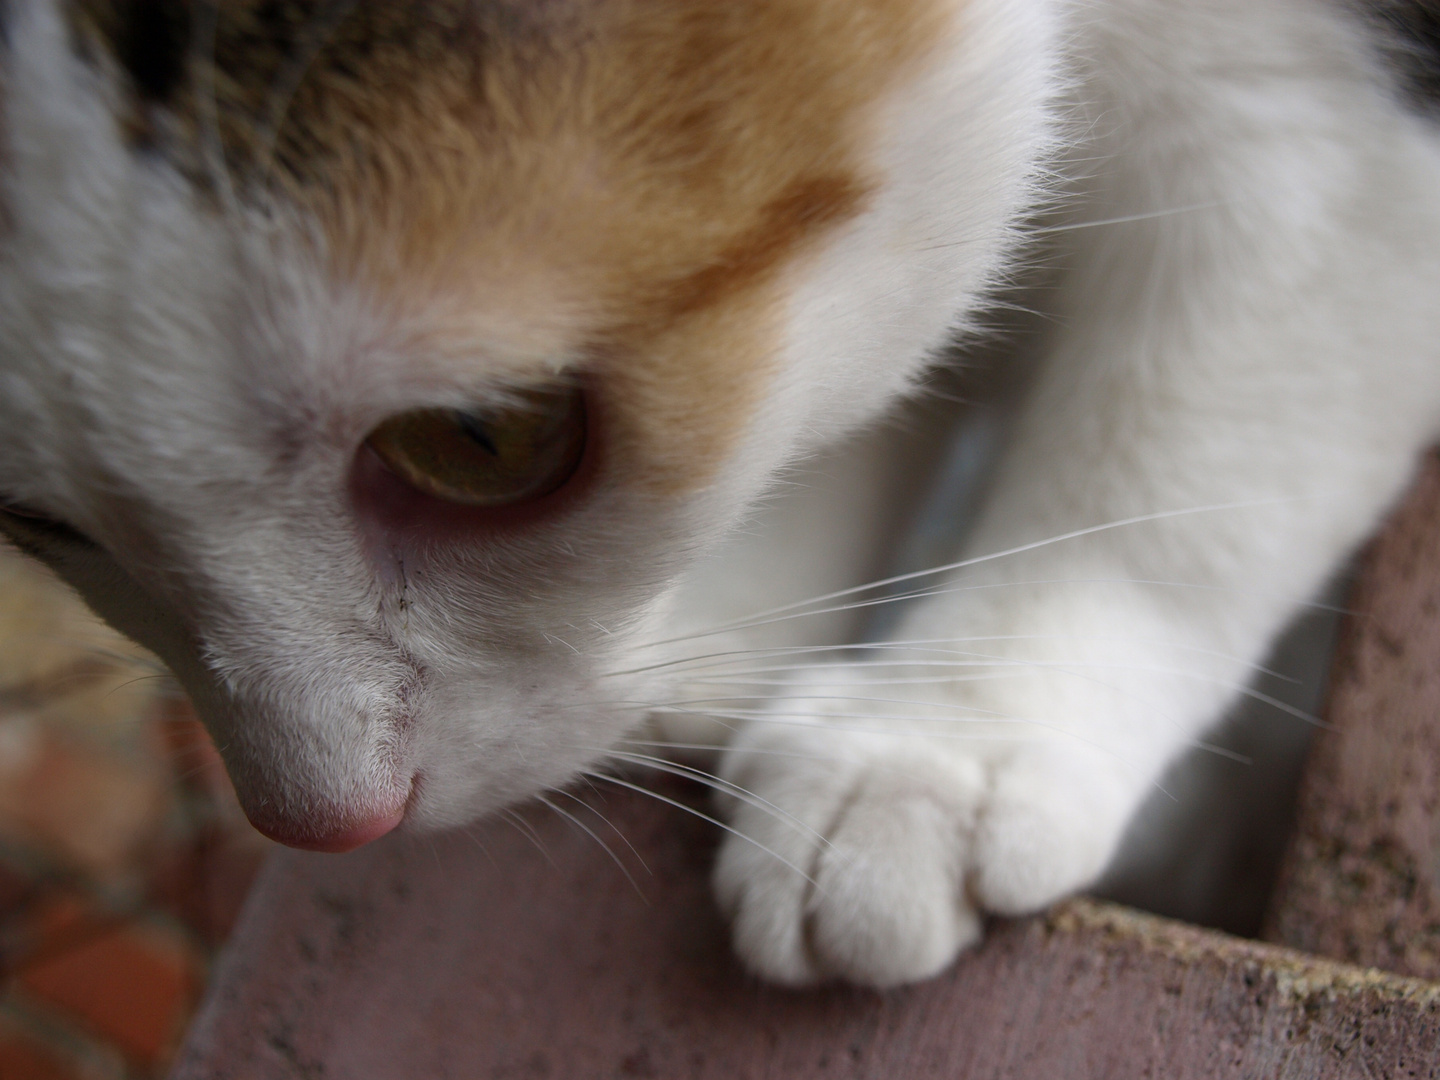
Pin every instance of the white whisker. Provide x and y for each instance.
(717, 783)
(594, 836)
(872, 663)
(524, 828)
(610, 824)
(931, 646)
(746, 682)
(703, 817)
(1124, 219)
(946, 590)
(761, 617)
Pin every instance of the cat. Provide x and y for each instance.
(426, 384)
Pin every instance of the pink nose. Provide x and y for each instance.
(346, 837)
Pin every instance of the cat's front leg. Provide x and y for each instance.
(1242, 374)
(884, 806)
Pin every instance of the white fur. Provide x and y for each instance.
(1246, 359)
(1259, 354)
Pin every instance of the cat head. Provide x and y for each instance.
(383, 367)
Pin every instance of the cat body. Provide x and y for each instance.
(239, 242)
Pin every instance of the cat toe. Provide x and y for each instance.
(1049, 827)
(766, 867)
(888, 905)
(840, 869)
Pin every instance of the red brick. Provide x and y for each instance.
(93, 810)
(204, 881)
(133, 986)
(16, 890)
(22, 1058)
(62, 915)
(52, 923)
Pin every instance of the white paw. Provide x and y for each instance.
(871, 855)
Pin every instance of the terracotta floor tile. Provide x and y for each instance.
(204, 881)
(133, 986)
(57, 920)
(94, 810)
(50, 922)
(110, 791)
(29, 1053)
(60, 916)
(36, 1049)
(22, 1058)
(16, 889)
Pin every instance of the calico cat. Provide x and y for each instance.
(408, 376)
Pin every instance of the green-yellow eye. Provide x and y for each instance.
(499, 456)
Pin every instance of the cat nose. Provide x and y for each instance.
(331, 828)
(331, 837)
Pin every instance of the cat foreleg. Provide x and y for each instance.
(1244, 371)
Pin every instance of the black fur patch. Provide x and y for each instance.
(1410, 37)
(147, 42)
(151, 40)
(283, 75)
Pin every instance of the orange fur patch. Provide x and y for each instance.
(628, 176)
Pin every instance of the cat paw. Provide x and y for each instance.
(873, 857)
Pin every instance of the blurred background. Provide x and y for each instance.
(124, 857)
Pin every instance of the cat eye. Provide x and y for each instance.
(491, 457)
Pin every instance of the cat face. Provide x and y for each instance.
(697, 237)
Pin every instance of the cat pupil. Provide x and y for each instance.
(475, 428)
